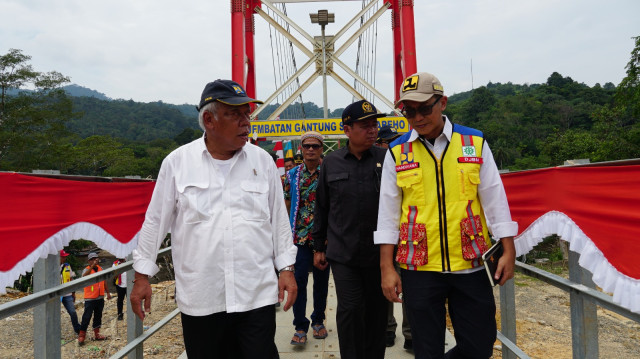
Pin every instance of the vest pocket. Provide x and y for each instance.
(412, 187)
(412, 246)
(472, 238)
(469, 179)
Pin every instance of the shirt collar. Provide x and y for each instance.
(447, 131)
(304, 167)
(366, 153)
(202, 145)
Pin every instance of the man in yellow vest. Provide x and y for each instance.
(440, 188)
(93, 301)
(68, 300)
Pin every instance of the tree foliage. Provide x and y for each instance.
(528, 126)
(532, 126)
(628, 94)
(32, 123)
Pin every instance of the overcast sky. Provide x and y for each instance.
(167, 50)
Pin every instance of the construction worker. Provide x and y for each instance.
(93, 301)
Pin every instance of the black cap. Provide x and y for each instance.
(387, 133)
(297, 158)
(226, 91)
(359, 111)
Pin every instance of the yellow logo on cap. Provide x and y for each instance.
(366, 107)
(437, 87)
(411, 83)
(238, 89)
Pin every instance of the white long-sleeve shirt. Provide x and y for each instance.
(229, 229)
(490, 191)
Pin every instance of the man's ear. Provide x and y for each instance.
(347, 130)
(208, 119)
(443, 102)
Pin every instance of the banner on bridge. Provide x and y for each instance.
(331, 126)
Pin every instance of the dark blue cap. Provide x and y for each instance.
(226, 91)
(387, 133)
(359, 111)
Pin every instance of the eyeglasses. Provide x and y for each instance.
(315, 146)
(424, 110)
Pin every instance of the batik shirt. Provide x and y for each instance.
(300, 184)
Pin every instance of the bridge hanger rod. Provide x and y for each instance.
(363, 82)
(286, 84)
(362, 29)
(312, 59)
(288, 20)
(293, 96)
(315, 57)
(284, 32)
(353, 21)
(346, 85)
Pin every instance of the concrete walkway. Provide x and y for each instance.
(329, 348)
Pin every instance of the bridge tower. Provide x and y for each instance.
(243, 51)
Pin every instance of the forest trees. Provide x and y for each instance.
(628, 93)
(533, 126)
(528, 126)
(37, 132)
(32, 122)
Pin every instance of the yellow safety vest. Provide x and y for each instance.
(65, 273)
(119, 277)
(437, 196)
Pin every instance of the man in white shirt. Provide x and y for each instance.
(440, 188)
(221, 198)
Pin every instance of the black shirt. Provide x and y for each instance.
(346, 212)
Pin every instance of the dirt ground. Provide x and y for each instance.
(542, 319)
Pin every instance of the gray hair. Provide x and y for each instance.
(211, 107)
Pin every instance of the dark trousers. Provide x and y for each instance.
(391, 319)
(471, 307)
(231, 335)
(361, 316)
(304, 262)
(392, 324)
(92, 307)
(122, 293)
(67, 302)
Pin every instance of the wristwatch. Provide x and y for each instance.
(287, 269)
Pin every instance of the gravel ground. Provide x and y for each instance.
(542, 319)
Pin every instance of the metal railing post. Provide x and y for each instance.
(508, 316)
(134, 324)
(584, 316)
(46, 316)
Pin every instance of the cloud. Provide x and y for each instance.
(167, 50)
